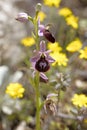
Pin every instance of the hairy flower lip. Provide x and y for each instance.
(42, 65)
(43, 31)
(49, 36)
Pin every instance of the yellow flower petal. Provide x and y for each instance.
(50, 3)
(83, 53)
(42, 15)
(74, 45)
(15, 90)
(60, 59)
(72, 21)
(54, 47)
(65, 12)
(79, 100)
(28, 41)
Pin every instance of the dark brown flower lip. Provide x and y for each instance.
(42, 65)
(49, 36)
(44, 31)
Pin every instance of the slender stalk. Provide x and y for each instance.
(38, 127)
(37, 103)
(58, 98)
(36, 34)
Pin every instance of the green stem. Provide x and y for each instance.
(38, 127)
(36, 34)
(37, 92)
(37, 104)
(58, 97)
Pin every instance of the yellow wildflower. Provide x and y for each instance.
(50, 3)
(60, 58)
(42, 15)
(15, 90)
(65, 12)
(79, 100)
(28, 41)
(85, 120)
(74, 45)
(54, 47)
(83, 53)
(72, 21)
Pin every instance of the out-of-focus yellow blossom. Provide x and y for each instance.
(50, 3)
(85, 120)
(28, 41)
(15, 90)
(79, 100)
(72, 21)
(83, 53)
(74, 45)
(42, 15)
(60, 59)
(54, 47)
(65, 12)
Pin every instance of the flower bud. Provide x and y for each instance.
(22, 17)
(38, 7)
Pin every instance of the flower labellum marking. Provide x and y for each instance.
(42, 65)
